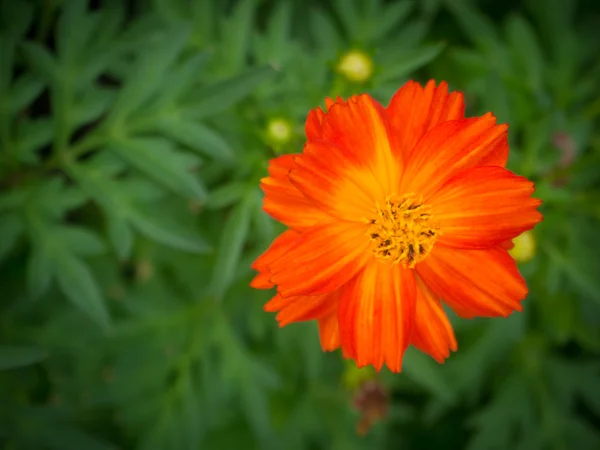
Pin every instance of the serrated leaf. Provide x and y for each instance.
(232, 240)
(167, 234)
(14, 356)
(11, 229)
(77, 283)
(157, 159)
(198, 137)
(218, 97)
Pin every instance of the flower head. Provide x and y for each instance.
(356, 66)
(389, 211)
(279, 131)
(523, 248)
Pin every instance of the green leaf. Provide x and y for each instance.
(391, 19)
(24, 91)
(478, 27)
(77, 283)
(148, 74)
(79, 241)
(237, 37)
(581, 279)
(42, 61)
(157, 159)
(424, 371)
(409, 62)
(218, 97)
(40, 269)
(92, 106)
(16, 21)
(32, 135)
(120, 234)
(73, 30)
(11, 229)
(325, 32)
(198, 137)
(179, 81)
(525, 45)
(226, 195)
(230, 247)
(167, 233)
(500, 425)
(14, 356)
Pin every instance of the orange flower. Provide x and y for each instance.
(390, 210)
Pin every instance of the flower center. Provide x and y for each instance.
(402, 230)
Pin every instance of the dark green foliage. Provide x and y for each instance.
(133, 137)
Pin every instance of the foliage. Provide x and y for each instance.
(132, 141)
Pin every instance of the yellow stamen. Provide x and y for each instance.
(402, 230)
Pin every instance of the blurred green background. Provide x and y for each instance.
(132, 139)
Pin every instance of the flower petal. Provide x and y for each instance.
(323, 259)
(376, 311)
(361, 130)
(284, 202)
(312, 126)
(339, 190)
(329, 332)
(300, 308)
(450, 148)
(280, 246)
(413, 111)
(484, 206)
(432, 331)
(475, 283)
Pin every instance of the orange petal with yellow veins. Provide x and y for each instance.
(322, 260)
(376, 312)
(280, 246)
(282, 199)
(329, 332)
(414, 110)
(301, 308)
(361, 130)
(331, 188)
(432, 331)
(448, 149)
(484, 206)
(475, 283)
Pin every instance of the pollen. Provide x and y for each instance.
(402, 230)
